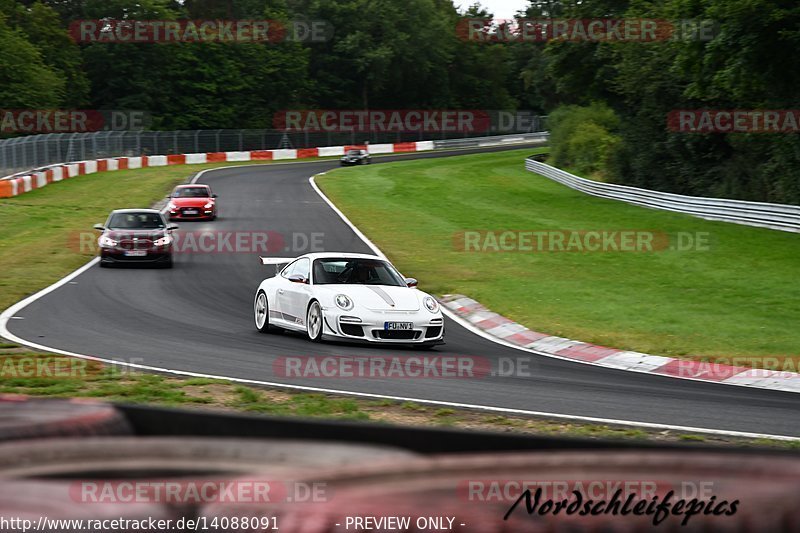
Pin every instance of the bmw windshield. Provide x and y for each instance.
(135, 221)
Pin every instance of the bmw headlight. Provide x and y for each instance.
(163, 241)
(209, 205)
(430, 304)
(343, 302)
(171, 206)
(106, 242)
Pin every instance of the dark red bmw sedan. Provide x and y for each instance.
(136, 236)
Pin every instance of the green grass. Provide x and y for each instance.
(690, 437)
(411, 406)
(738, 298)
(299, 404)
(205, 381)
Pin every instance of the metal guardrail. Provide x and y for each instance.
(760, 214)
(34, 151)
(496, 140)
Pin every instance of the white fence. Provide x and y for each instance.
(774, 216)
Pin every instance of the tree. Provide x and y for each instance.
(26, 81)
(43, 28)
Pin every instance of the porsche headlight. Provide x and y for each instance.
(430, 304)
(106, 242)
(171, 206)
(343, 302)
(163, 241)
(209, 205)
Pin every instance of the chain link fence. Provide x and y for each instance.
(26, 153)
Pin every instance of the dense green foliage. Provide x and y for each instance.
(583, 138)
(749, 64)
(401, 54)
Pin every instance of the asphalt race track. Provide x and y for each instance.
(198, 317)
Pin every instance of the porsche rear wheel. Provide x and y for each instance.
(314, 322)
(261, 312)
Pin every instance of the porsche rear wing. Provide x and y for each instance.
(276, 260)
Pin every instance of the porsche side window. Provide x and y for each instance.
(302, 268)
(289, 270)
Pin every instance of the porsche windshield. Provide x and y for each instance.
(335, 270)
(135, 221)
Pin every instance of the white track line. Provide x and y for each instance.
(16, 308)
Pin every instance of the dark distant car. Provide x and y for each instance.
(192, 202)
(136, 236)
(356, 157)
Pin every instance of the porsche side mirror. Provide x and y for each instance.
(171, 227)
(213, 196)
(297, 278)
(99, 227)
(411, 282)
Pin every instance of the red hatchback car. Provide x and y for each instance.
(188, 202)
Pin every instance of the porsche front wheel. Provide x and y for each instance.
(314, 322)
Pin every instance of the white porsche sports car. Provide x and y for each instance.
(349, 296)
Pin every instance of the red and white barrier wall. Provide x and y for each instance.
(16, 185)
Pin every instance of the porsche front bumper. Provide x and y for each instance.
(371, 326)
